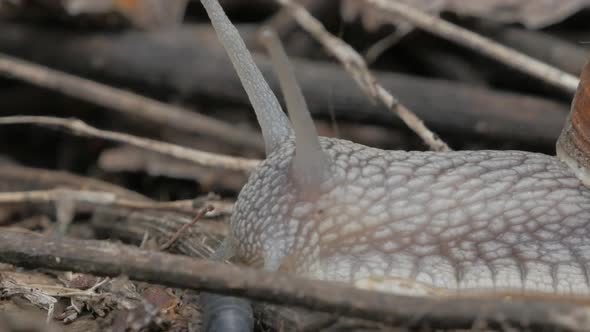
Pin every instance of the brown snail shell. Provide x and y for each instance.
(573, 145)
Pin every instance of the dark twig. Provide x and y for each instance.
(184, 227)
(326, 86)
(87, 200)
(22, 178)
(103, 258)
(555, 51)
(80, 128)
(437, 26)
(130, 159)
(133, 226)
(126, 102)
(354, 63)
(288, 30)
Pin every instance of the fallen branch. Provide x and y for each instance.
(552, 50)
(467, 109)
(450, 65)
(130, 159)
(357, 67)
(184, 227)
(103, 258)
(80, 128)
(22, 178)
(286, 28)
(452, 32)
(133, 226)
(87, 200)
(127, 102)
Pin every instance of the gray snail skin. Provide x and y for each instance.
(418, 223)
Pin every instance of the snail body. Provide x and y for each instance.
(421, 223)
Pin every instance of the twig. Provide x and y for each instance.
(452, 32)
(126, 102)
(467, 109)
(283, 24)
(11, 287)
(201, 240)
(94, 199)
(378, 48)
(21, 178)
(184, 227)
(357, 67)
(80, 128)
(59, 291)
(103, 258)
(449, 65)
(131, 159)
(552, 50)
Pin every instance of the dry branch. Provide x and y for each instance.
(555, 51)
(201, 241)
(326, 86)
(21, 178)
(452, 32)
(130, 159)
(298, 44)
(89, 200)
(184, 227)
(80, 128)
(103, 258)
(442, 63)
(127, 102)
(356, 66)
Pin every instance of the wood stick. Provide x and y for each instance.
(297, 43)
(103, 258)
(130, 159)
(184, 227)
(444, 105)
(87, 200)
(452, 32)
(354, 63)
(80, 128)
(557, 52)
(126, 102)
(131, 226)
(22, 178)
(200, 241)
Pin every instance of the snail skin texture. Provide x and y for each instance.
(419, 223)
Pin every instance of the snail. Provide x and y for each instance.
(414, 223)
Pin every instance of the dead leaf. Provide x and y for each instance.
(10, 287)
(44, 292)
(163, 300)
(78, 280)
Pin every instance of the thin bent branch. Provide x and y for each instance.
(126, 102)
(80, 128)
(357, 67)
(22, 178)
(104, 258)
(452, 32)
(467, 110)
(88, 199)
